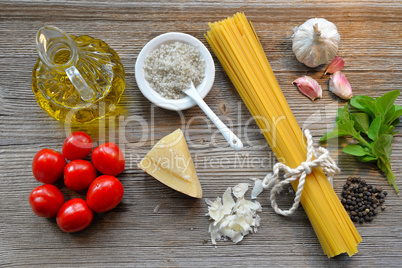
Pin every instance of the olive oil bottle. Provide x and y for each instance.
(76, 79)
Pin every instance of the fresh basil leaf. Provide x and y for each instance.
(374, 128)
(356, 100)
(382, 147)
(382, 166)
(384, 103)
(332, 134)
(389, 115)
(395, 122)
(343, 115)
(338, 114)
(384, 129)
(396, 115)
(365, 104)
(354, 149)
(348, 129)
(362, 122)
(367, 158)
(345, 129)
(390, 130)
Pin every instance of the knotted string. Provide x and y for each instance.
(323, 160)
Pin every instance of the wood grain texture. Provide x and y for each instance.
(133, 235)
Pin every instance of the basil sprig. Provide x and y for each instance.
(373, 126)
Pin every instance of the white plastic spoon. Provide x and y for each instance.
(232, 139)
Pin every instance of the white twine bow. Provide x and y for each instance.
(323, 159)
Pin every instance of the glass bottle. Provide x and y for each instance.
(76, 79)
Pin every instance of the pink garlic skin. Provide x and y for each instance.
(309, 87)
(339, 85)
(336, 65)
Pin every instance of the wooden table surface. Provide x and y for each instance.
(135, 234)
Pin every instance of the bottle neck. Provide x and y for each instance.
(56, 49)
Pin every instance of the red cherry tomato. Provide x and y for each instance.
(48, 165)
(46, 200)
(108, 159)
(104, 193)
(74, 215)
(77, 145)
(78, 174)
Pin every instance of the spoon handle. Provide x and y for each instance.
(231, 138)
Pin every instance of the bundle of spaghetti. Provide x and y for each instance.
(240, 52)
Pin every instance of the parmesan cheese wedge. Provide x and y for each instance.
(170, 162)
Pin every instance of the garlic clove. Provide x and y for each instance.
(339, 85)
(309, 87)
(336, 65)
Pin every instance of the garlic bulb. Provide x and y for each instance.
(315, 42)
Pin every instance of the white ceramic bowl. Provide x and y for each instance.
(152, 95)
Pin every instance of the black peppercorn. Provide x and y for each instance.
(362, 201)
(344, 192)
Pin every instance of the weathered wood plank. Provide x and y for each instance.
(176, 236)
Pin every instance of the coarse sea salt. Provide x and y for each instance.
(232, 219)
(170, 69)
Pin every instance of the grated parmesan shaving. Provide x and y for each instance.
(216, 210)
(240, 189)
(257, 189)
(231, 219)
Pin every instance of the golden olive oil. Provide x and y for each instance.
(101, 68)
